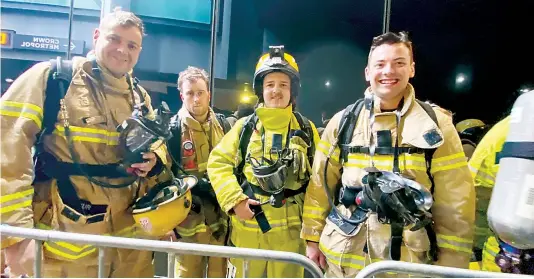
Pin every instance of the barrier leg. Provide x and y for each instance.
(101, 266)
(37, 264)
(245, 268)
(170, 264)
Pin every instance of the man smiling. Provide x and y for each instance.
(389, 130)
(79, 188)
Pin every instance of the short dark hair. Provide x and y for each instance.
(122, 18)
(391, 38)
(192, 74)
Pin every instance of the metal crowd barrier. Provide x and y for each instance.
(426, 270)
(171, 248)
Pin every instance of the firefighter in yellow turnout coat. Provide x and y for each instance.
(100, 97)
(389, 116)
(275, 133)
(484, 165)
(199, 132)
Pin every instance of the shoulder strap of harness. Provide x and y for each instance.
(304, 124)
(429, 153)
(244, 138)
(175, 144)
(59, 79)
(223, 122)
(345, 130)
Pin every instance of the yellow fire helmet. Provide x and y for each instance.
(276, 61)
(165, 206)
(463, 125)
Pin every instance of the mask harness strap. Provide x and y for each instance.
(396, 227)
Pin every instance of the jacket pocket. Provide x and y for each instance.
(67, 219)
(343, 253)
(417, 246)
(294, 218)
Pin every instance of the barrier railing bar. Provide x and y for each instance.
(164, 246)
(429, 270)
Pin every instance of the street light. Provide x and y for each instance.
(460, 78)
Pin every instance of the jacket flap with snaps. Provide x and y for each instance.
(340, 225)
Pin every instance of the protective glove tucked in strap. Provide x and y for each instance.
(298, 145)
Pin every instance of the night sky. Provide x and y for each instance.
(483, 40)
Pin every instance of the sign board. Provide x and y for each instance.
(6, 38)
(44, 43)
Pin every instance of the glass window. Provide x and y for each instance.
(187, 10)
(85, 4)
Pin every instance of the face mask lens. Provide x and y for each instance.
(138, 138)
(273, 182)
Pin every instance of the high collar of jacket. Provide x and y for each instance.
(418, 128)
(274, 118)
(407, 99)
(192, 123)
(102, 75)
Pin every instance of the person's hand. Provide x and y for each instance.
(170, 236)
(20, 257)
(243, 211)
(142, 169)
(314, 254)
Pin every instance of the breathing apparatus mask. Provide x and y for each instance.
(395, 199)
(271, 177)
(139, 132)
(272, 174)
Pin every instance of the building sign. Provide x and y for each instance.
(6, 38)
(47, 43)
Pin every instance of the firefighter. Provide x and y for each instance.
(389, 139)
(471, 132)
(198, 132)
(260, 169)
(484, 165)
(80, 155)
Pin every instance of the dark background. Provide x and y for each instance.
(485, 40)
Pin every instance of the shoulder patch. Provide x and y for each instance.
(432, 137)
